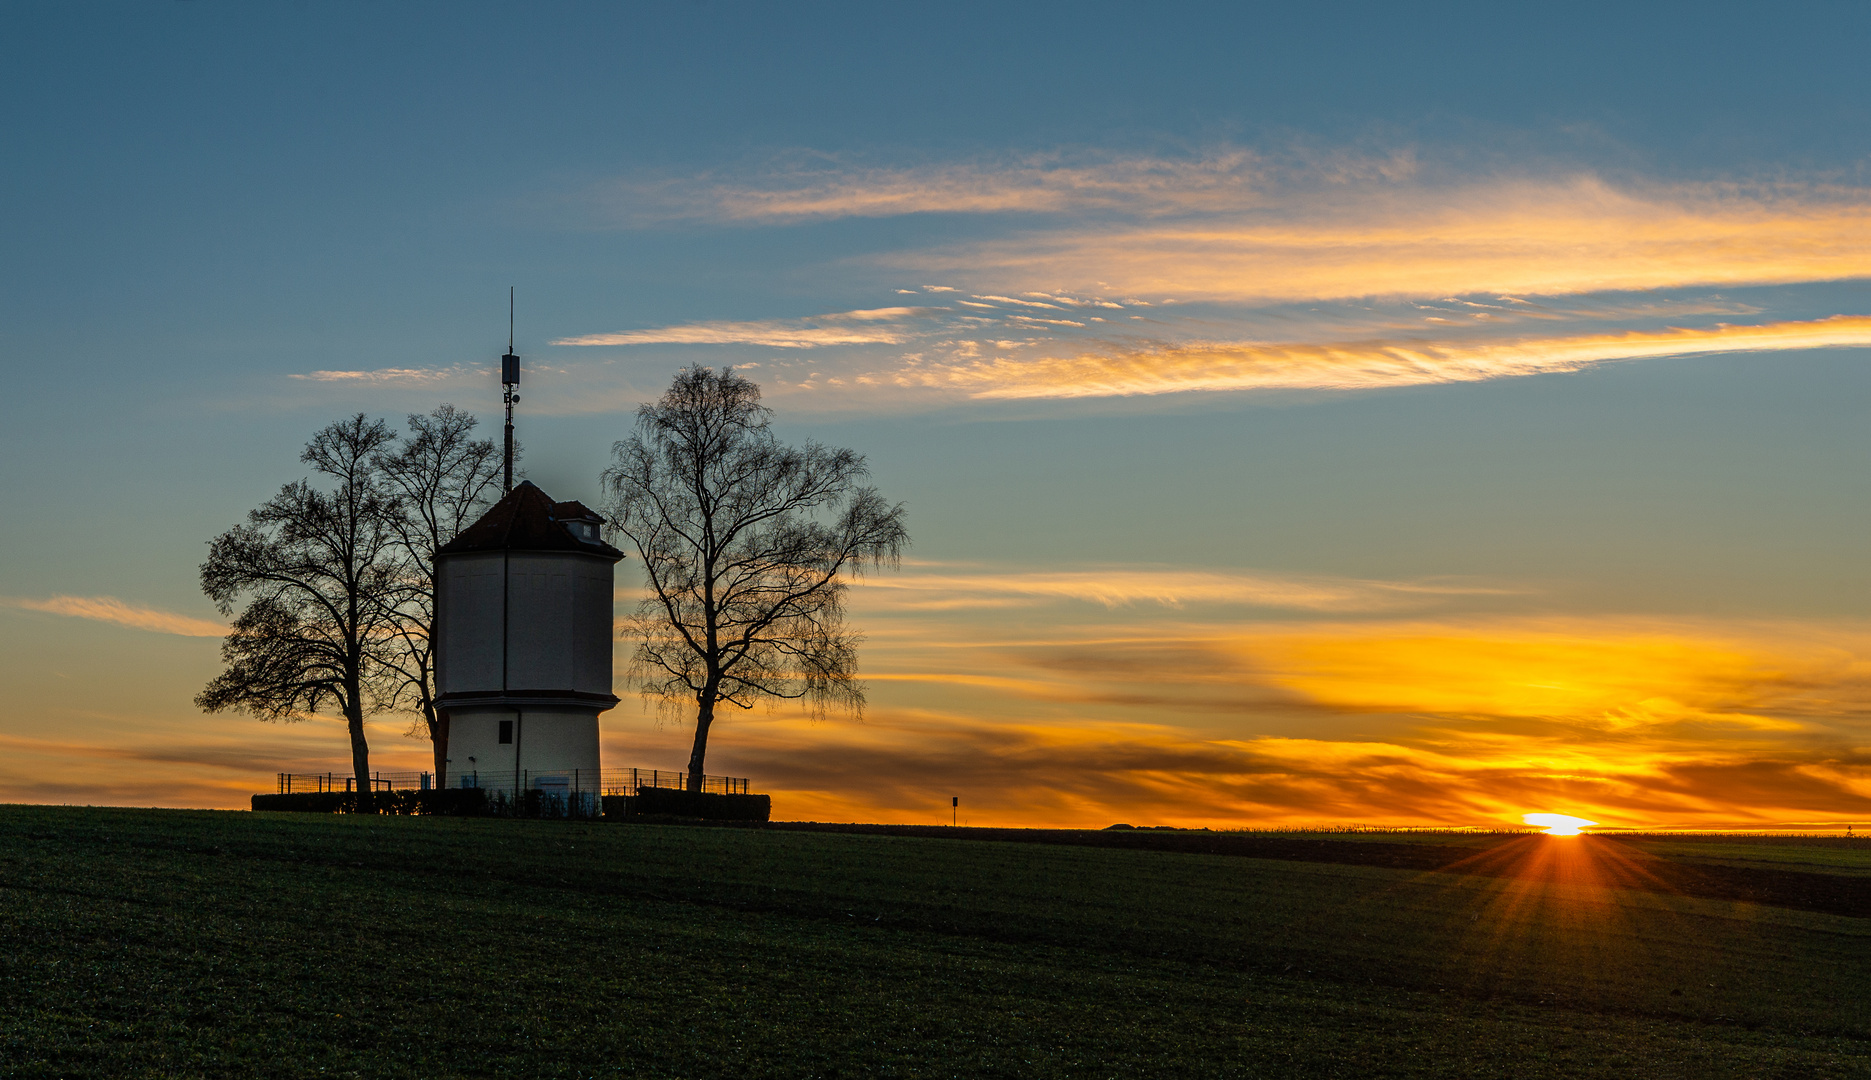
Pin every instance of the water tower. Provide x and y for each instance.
(523, 635)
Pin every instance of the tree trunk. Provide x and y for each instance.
(704, 716)
(438, 735)
(360, 753)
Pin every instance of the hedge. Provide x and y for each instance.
(469, 801)
(671, 802)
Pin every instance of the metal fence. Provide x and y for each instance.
(336, 781)
(628, 781)
(602, 782)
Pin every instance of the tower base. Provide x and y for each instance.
(514, 749)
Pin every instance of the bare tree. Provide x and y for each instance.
(440, 479)
(319, 571)
(747, 546)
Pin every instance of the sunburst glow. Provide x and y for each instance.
(1558, 824)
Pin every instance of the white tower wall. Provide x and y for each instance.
(523, 645)
(523, 620)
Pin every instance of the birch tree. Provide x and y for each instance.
(747, 549)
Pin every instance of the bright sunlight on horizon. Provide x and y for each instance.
(1558, 824)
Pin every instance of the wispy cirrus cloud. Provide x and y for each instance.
(1238, 269)
(1235, 225)
(996, 350)
(936, 587)
(112, 610)
(1549, 237)
(828, 188)
(552, 388)
(999, 351)
(871, 326)
(377, 376)
(1120, 368)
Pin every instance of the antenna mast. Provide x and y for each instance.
(509, 378)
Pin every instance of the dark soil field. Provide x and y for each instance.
(174, 943)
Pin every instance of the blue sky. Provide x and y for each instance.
(1280, 334)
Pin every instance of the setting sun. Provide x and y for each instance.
(1557, 824)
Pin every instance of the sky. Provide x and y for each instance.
(1305, 414)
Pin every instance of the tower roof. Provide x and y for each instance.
(527, 519)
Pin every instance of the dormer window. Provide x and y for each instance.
(584, 530)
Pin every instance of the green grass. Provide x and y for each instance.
(174, 943)
(1817, 855)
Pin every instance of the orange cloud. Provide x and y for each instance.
(1236, 229)
(1630, 722)
(1515, 236)
(1151, 717)
(1121, 370)
(112, 610)
(1236, 225)
(905, 765)
(1615, 681)
(1490, 680)
(215, 764)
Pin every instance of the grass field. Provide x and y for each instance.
(176, 943)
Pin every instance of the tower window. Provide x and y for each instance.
(506, 731)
